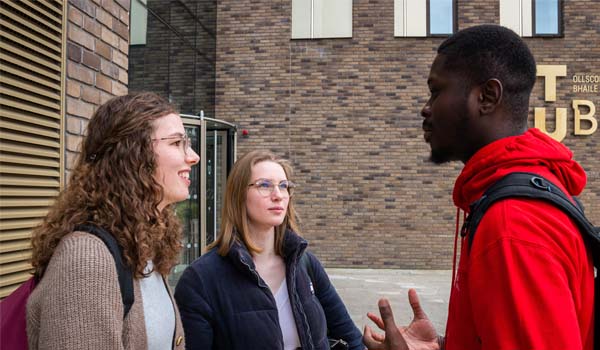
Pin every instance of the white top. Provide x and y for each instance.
(286, 318)
(159, 314)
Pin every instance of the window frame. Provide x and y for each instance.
(427, 33)
(560, 24)
(454, 21)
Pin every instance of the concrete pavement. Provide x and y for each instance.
(362, 288)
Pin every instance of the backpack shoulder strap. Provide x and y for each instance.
(123, 271)
(528, 185)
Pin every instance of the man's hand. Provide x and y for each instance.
(419, 335)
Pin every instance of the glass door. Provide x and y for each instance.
(189, 214)
(200, 214)
(216, 177)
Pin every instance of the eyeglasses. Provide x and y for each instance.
(183, 142)
(266, 187)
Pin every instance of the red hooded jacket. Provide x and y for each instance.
(528, 280)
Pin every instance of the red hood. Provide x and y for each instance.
(531, 152)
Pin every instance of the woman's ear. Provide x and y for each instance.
(490, 96)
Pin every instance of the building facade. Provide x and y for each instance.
(345, 110)
(334, 86)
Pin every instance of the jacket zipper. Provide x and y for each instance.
(264, 286)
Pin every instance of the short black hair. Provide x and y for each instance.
(488, 51)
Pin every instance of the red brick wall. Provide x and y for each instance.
(97, 49)
(346, 113)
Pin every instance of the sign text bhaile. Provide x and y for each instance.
(586, 83)
(583, 110)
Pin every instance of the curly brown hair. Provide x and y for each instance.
(234, 221)
(113, 186)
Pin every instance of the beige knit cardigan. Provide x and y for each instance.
(78, 305)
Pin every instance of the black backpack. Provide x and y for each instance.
(528, 185)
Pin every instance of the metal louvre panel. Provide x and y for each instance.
(40, 76)
(25, 128)
(45, 60)
(26, 107)
(21, 213)
(26, 160)
(29, 139)
(40, 64)
(31, 111)
(31, 118)
(51, 46)
(6, 80)
(22, 149)
(37, 11)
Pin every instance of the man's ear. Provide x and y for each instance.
(490, 96)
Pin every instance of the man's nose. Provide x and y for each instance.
(426, 110)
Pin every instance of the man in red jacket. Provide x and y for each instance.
(527, 281)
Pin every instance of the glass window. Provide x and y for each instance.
(441, 17)
(420, 18)
(177, 58)
(532, 17)
(546, 17)
(139, 22)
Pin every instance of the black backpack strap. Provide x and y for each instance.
(123, 271)
(527, 185)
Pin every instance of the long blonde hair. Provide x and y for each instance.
(234, 222)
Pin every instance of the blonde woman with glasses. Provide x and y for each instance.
(257, 287)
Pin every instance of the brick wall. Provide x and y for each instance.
(346, 113)
(97, 49)
(580, 51)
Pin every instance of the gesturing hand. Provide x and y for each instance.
(419, 335)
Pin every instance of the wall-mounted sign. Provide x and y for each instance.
(584, 85)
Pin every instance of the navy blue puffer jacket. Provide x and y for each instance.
(224, 304)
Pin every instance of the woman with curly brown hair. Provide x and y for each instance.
(134, 163)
